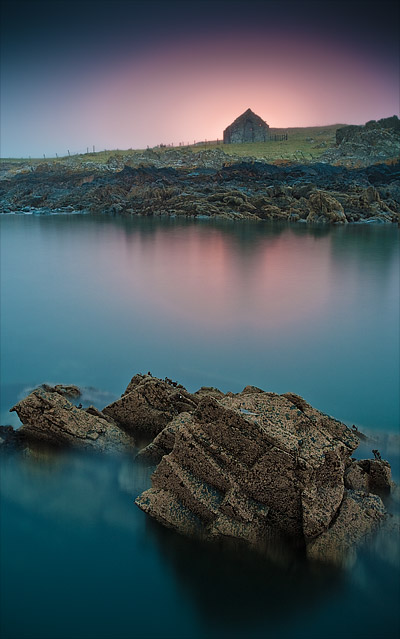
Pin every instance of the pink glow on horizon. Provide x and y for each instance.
(195, 96)
(188, 91)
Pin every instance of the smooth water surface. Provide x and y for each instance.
(92, 301)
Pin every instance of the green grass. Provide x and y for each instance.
(306, 143)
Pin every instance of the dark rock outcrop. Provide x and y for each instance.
(246, 189)
(365, 145)
(50, 418)
(248, 127)
(352, 132)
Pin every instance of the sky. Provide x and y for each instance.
(119, 74)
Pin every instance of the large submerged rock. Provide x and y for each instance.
(259, 466)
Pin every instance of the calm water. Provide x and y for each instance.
(92, 301)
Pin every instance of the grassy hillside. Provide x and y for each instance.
(302, 144)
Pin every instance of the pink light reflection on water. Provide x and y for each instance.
(202, 280)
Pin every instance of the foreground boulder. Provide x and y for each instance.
(50, 418)
(258, 467)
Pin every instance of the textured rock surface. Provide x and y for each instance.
(258, 466)
(148, 404)
(358, 516)
(371, 475)
(254, 460)
(326, 209)
(51, 418)
(248, 127)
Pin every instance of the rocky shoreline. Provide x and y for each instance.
(255, 467)
(245, 190)
(356, 181)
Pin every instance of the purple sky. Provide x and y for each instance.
(121, 74)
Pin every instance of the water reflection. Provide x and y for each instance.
(283, 307)
(234, 588)
(75, 487)
(199, 282)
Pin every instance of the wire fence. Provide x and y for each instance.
(90, 150)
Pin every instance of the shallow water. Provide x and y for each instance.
(91, 301)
